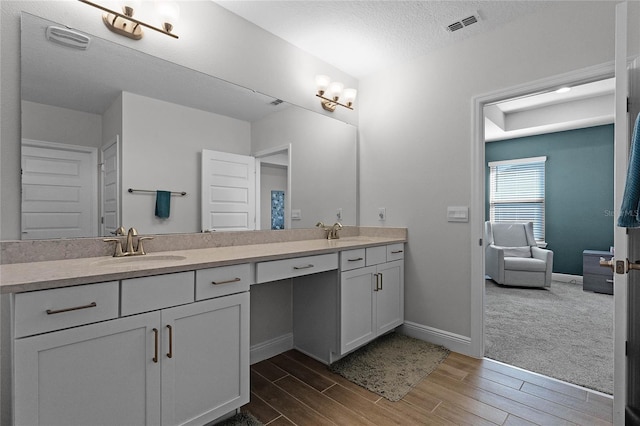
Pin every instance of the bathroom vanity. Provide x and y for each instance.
(164, 338)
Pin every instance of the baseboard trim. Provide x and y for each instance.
(451, 341)
(267, 349)
(567, 278)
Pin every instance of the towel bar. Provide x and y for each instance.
(131, 190)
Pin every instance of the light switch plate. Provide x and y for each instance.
(296, 214)
(457, 214)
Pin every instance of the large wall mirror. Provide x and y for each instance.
(99, 119)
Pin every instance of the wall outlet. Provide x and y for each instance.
(296, 214)
(382, 213)
(339, 214)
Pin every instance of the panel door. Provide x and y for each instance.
(59, 190)
(205, 360)
(228, 191)
(99, 374)
(111, 191)
(357, 314)
(390, 296)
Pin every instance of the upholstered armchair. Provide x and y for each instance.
(513, 257)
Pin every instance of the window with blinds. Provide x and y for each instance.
(516, 192)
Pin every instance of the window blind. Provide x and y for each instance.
(517, 192)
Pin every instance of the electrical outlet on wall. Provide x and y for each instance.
(382, 213)
(339, 214)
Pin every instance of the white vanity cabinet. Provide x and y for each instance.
(371, 297)
(156, 364)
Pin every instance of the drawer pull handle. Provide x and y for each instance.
(610, 281)
(357, 259)
(170, 353)
(397, 251)
(75, 308)
(155, 353)
(303, 267)
(233, 280)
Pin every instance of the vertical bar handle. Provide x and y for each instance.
(380, 281)
(376, 275)
(155, 356)
(170, 353)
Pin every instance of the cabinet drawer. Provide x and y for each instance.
(157, 292)
(395, 252)
(47, 310)
(215, 282)
(376, 255)
(289, 268)
(352, 259)
(591, 263)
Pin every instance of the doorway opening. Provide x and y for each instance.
(502, 117)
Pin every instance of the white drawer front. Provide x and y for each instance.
(216, 282)
(289, 268)
(157, 292)
(376, 255)
(47, 310)
(352, 259)
(395, 252)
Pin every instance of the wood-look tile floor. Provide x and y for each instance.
(293, 389)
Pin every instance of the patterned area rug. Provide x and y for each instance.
(391, 365)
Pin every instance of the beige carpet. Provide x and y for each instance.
(391, 365)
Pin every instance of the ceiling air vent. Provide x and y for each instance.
(465, 22)
(66, 37)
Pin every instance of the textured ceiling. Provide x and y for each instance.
(362, 37)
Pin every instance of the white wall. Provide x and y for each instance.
(212, 40)
(54, 124)
(183, 133)
(415, 140)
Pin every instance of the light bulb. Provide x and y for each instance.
(349, 95)
(169, 13)
(335, 90)
(322, 82)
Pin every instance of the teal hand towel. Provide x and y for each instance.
(163, 204)
(629, 211)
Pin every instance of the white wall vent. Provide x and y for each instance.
(67, 37)
(465, 22)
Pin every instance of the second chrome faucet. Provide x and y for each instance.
(128, 251)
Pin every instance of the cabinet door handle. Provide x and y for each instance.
(155, 338)
(170, 353)
(357, 259)
(376, 275)
(233, 280)
(75, 308)
(303, 267)
(380, 281)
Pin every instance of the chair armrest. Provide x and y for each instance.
(494, 263)
(542, 254)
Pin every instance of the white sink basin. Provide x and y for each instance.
(143, 259)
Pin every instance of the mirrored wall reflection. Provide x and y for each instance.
(99, 121)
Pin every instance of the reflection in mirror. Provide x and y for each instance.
(99, 121)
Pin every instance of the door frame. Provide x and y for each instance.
(477, 202)
(262, 157)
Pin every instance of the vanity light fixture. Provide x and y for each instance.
(125, 24)
(335, 91)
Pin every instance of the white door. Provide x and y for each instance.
(205, 360)
(59, 190)
(626, 88)
(228, 191)
(390, 296)
(99, 374)
(110, 159)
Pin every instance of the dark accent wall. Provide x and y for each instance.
(578, 191)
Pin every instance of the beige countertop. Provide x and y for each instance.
(20, 277)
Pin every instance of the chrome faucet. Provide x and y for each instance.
(119, 252)
(332, 232)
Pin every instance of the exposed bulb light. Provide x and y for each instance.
(125, 24)
(563, 90)
(334, 92)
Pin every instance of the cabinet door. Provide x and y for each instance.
(205, 359)
(390, 297)
(101, 373)
(357, 315)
